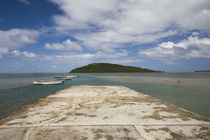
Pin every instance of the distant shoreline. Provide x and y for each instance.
(202, 71)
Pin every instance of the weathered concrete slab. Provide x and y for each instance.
(103, 112)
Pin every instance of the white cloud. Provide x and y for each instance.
(192, 47)
(195, 33)
(73, 60)
(124, 61)
(76, 57)
(79, 13)
(3, 51)
(16, 38)
(107, 41)
(65, 45)
(24, 53)
(24, 1)
(54, 66)
(108, 24)
(84, 58)
(118, 54)
(16, 53)
(29, 54)
(69, 59)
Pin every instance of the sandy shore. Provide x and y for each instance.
(102, 112)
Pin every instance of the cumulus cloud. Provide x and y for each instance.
(84, 56)
(192, 47)
(75, 58)
(69, 59)
(80, 59)
(65, 45)
(195, 33)
(24, 53)
(29, 54)
(16, 38)
(118, 54)
(80, 14)
(3, 50)
(125, 61)
(108, 24)
(16, 53)
(108, 41)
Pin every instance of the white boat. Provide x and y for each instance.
(63, 78)
(71, 76)
(48, 82)
(67, 76)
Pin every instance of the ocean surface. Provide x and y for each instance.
(190, 91)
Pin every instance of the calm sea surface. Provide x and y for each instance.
(187, 90)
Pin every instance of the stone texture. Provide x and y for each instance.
(102, 112)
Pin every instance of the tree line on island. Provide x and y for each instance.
(109, 68)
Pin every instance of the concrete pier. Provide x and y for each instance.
(102, 112)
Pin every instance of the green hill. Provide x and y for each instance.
(109, 68)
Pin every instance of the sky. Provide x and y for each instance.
(59, 35)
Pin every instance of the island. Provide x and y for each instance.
(109, 68)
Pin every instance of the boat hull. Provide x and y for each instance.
(64, 79)
(47, 82)
(67, 76)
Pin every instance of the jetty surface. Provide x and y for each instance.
(102, 112)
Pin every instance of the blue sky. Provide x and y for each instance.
(58, 35)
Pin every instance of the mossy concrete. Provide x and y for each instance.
(102, 112)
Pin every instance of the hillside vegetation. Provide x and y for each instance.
(109, 68)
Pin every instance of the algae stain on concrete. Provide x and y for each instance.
(103, 112)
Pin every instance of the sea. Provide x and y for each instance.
(188, 90)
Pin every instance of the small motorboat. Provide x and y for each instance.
(64, 78)
(71, 76)
(48, 82)
(67, 76)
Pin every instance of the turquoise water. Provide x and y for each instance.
(14, 80)
(190, 91)
(12, 98)
(167, 88)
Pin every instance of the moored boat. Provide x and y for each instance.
(67, 76)
(64, 78)
(48, 82)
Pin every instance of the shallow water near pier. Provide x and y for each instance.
(190, 91)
